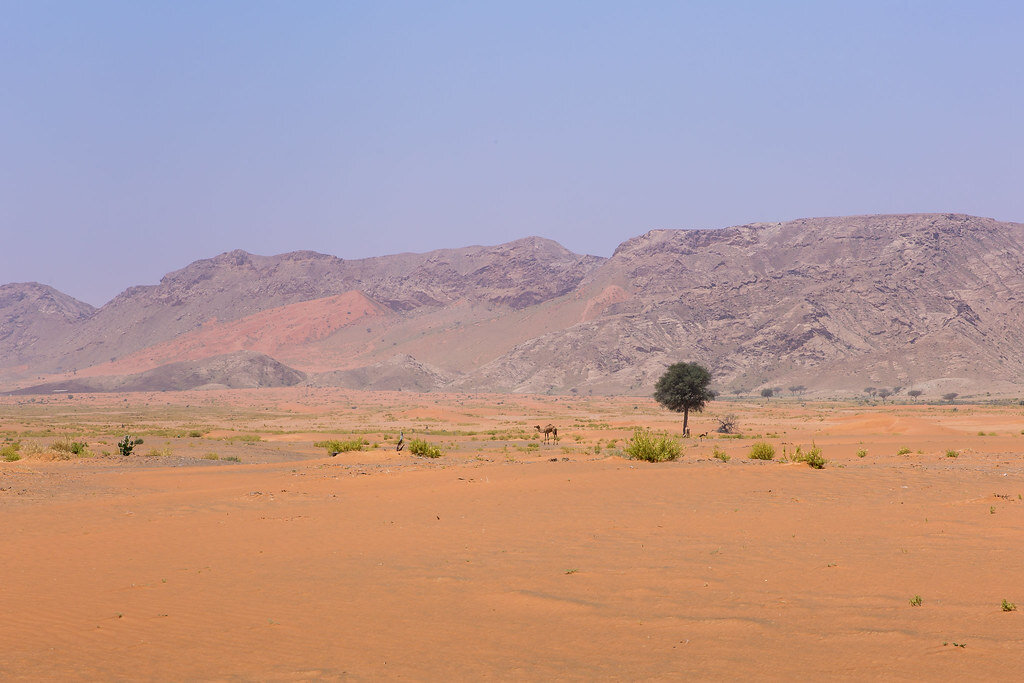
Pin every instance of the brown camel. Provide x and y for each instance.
(547, 430)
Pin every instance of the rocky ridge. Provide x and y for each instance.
(836, 304)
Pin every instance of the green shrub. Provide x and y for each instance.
(646, 446)
(1008, 606)
(159, 452)
(66, 445)
(903, 451)
(952, 454)
(762, 450)
(128, 444)
(10, 452)
(916, 601)
(247, 438)
(211, 456)
(335, 446)
(195, 434)
(815, 460)
(232, 458)
(421, 447)
(719, 454)
(862, 453)
(812, 457)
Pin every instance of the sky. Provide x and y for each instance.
(137, 137)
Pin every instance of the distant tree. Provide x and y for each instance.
(884, 394)
(950, 396)
(870, 391)
(737, 392)
(684, 387)
(914, 393)
(767, 393)
(798, 389)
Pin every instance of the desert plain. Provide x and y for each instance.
(228, 546)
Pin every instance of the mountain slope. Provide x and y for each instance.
(239, 370)
(31, 315)
(927, 300)
(237, 284)
(833, 302)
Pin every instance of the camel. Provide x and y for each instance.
(548, 430)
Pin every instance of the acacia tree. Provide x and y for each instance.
(684, 387)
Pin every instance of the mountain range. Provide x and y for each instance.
(927, 301)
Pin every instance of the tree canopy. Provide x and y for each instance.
(684, 387)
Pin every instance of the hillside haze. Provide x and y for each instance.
(930, 301)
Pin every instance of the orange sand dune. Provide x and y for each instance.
(602, 569)
(505, 559)
(881, 423)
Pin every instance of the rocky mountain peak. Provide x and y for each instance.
(830, 303)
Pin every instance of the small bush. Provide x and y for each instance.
(246, 438)
(159, 452)
(232, 458)
(862, 453)
(646, 446)
(334, 446)
(762, 450)
(422, 448)
(128, 444)
(1008, 606)
(10, 452)
(812, 458)
(211, 456)
(719, 454)
(195, 434)
(66, 445)
(32, 448)
(903, 451)
(952, 454)
(916, 601)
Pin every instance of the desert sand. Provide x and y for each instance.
(506, 557)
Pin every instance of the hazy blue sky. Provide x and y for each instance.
(136, 137)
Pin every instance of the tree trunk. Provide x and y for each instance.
(686, 417)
